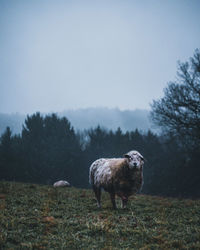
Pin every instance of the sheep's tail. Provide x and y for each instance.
(93, 169)
(91, 175)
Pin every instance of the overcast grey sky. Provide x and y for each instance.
(57, 55)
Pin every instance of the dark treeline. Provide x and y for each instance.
(48, 149)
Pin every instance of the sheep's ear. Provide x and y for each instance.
(142, 158)
(126, 156)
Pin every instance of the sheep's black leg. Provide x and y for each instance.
(112, 197)
(97, 192)
(124, 201)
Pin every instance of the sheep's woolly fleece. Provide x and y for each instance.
(102, 170)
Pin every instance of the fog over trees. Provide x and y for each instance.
(87, 118)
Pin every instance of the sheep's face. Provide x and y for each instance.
(135, 160)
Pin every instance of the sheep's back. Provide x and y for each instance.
(102, 171)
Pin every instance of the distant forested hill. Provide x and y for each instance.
(109, 118)
(87, 118)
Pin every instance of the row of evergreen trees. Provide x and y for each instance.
(48, 149)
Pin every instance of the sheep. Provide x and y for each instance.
(61, 184)
(117, 176)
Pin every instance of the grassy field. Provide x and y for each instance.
(41, 217)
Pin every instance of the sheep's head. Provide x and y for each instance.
(135, 160)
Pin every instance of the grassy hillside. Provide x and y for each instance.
(41, 217)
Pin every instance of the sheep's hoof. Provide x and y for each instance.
(124, 206)
(98, 205)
